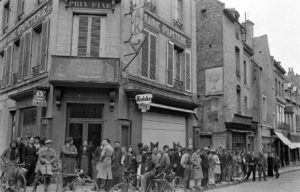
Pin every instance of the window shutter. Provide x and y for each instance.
(83, 35)
(145, 55)
(21, 59)
(152, 56)
(95, 36)
(170, 63)
(4, 69)
(8, 65)
(27, 52)
(44, 50)
(187, 71)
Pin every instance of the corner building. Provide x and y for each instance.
(72, 79)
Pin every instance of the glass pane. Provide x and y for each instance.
(94, 133)
(28, 122)
(76, 131)
(93, 111)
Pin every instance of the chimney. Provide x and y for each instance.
(249, 26)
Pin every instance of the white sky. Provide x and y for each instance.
(280, 20)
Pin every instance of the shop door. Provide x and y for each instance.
(85, 131)
(85, 123)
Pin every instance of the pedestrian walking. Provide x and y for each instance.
(277, 163)
(270, 161)
(252, 167)
(197, 168)
(262, 166)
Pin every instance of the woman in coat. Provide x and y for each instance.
(69, 153)
(217, 170)
(177, 165)
(85, 157)
(197, 168)
(211, 170)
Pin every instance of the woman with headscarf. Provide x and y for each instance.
(69, 154)
(10, 157)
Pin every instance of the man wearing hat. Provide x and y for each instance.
(47, 158)
(186, 163)
(149, 171)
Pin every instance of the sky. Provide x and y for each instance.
(280, 20)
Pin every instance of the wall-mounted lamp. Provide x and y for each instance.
(112, 99)
(58, 96)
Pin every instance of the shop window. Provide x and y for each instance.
(5, 19)
(238, 141)
(28, 124)
(88, 33)
(149, 56)
(90, 111)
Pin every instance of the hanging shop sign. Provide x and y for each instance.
(39, 98)
(175, 35)
(91, 4)
(144, 101)
(137, 24)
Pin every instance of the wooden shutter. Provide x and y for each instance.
(170, 63)
(145, 55)
(3, 69)
(44, 46)
(152, 56)
(83, 35)
(187, 71)
(8, 65)
(21, 59)
(95, 36)
(27, 55)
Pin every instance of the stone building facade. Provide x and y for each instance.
(77, 79)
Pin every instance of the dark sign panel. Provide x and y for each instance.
(176, 36)
(85, 70)
(91, 4)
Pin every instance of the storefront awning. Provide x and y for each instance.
(285, 140)
(172, 108)
(297, 145)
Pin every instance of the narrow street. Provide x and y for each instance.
(288, 182)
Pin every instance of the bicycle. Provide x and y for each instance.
(47, 179)
(155, 184)
(18, 184)
(82, 182)
(175, 181)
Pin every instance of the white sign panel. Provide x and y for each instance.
(144, 101)
(39, 98)
(214, 81)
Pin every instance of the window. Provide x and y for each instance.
(187, 71)
(204, 12)
(238, 101)
(20, 9)
(264, 108)
(15, 60)
(177, 60)
(1, 65)
(88, 35)
(28, 122)
(246, 105)
(86, 111)
(245, 72)
(238, 141)
(36, 46)
(21, 58)
(8, 67)
(276, 89)
(149, 56)
(237, 30)
(178, 10)
(5, 20)
(170, 63)
(237, 62)
(27, 55)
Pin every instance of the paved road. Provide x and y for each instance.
(288, 182)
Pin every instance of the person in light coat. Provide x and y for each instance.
(186, 164)
(104, 165)
(197, 168)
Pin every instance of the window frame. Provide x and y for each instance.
(185, 63)
(149, 55)
(167, 66)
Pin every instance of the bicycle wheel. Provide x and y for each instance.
(46, 183)
(20, 184)
(160, 185)
(3, 182)
(177, 184)
(122, 187)
(85, 185)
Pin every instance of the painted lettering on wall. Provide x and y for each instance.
(167, 30)
(92, 4)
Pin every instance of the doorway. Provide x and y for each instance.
(85, 123)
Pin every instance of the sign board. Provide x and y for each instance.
(144, 101)
(39, 98)
(214, 81)
(164, 28)
(137, 24)
(90, 4)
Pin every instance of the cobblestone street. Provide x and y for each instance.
(288, 182)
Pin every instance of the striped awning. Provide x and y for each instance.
(285, 140)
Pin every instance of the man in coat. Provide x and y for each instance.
(252, 167)
(104, 166)
(262, 166)
(116, 164)
(149, 171)
(30, 158)
(270, 161)
(277, 163)
(228, 161)
(205, 167)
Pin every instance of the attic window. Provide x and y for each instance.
(204, 12)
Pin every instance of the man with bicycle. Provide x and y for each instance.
(164, 161)
(47, 158)
(10, 158)
(150, 169)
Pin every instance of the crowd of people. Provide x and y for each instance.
(107, 163)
